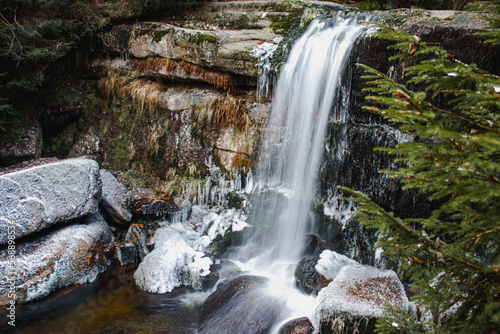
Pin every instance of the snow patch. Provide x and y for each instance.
(263, 52)
(330, 263)
(359, 291)
(178, 257)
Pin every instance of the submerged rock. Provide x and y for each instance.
(36, 198)
(297, 326)
(239, 306)
(357, 295)
(114, 198)
(74, 254)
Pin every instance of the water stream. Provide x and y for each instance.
(293, 144)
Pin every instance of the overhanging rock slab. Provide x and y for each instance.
(38, 197)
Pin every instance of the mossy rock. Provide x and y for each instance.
(220, 246)
(158, 34)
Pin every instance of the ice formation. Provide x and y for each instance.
(330, 263)
(359, 291)
(178, 257)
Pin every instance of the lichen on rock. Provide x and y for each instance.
(73, 254)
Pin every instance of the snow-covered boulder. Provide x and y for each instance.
(38, 197)
(171, 264)
(74, 254)
(114, 198)
(357, 295)
(178, 257)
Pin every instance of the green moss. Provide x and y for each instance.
(230, 239)
(158, 34)
(61, 144)
(201, 37)
(20, 297)
(282, 6)
(371, 5)
(280, 27)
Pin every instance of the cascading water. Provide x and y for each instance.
(293, 144)
(294, 139)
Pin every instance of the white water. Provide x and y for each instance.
(293, 144)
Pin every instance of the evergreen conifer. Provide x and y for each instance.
(452, 257)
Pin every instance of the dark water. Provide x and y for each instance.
(111, 304)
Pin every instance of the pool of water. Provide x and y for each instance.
(111, 304)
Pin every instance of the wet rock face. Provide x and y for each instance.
(349, 156)
(114, 198)
(241, 306)
(126, 254)
(38, 197)
(74, 254)
(308, 277)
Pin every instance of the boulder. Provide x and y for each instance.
(172, 263)
(146, 202)
(240, 305)
(74, 254)
(308, 277)
(114, 198)
(222, 244)
(36, 198)
(356, 297)
(330, 263)
(297, 326)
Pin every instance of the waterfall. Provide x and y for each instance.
(293, 143)
(306, 98)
